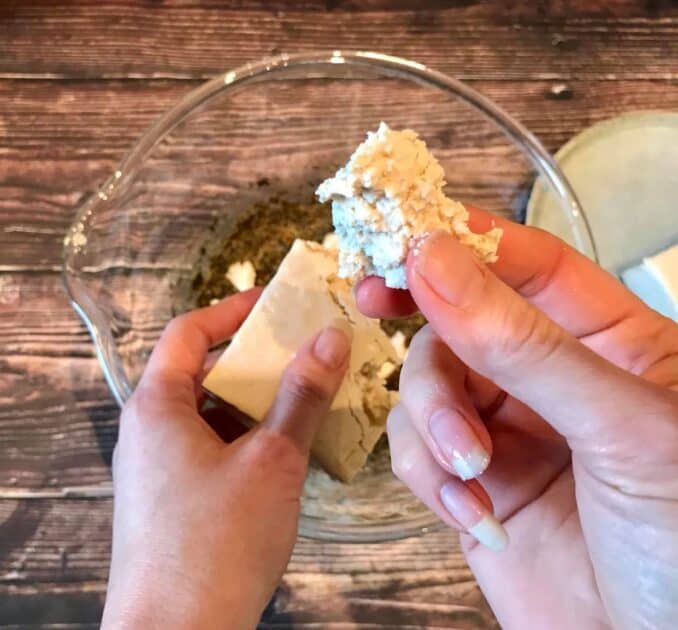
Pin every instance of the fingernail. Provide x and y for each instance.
(332, 347)
(466, 508)
(448, 267)
(458, 443)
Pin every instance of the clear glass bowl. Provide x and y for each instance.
(279, 126)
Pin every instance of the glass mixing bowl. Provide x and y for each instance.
(276, 128)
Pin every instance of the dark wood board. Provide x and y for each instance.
(54, 557)
(474, 40)
(79, 82)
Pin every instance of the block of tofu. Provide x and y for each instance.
(303, 297)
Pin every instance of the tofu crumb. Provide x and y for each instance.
(387, 368)
(399, 343)
(242, 275)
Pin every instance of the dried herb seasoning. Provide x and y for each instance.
(263, 236)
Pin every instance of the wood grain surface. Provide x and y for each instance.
(79, 82)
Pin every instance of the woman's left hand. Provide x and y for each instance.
(203, 529)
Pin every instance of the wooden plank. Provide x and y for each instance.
(26, 331)
(47, 168)
(488, 10)
(58, 421)
(564, 40)
(58, 426)
(54, 541)
(54, 562)
(93, 122)
(75, 606)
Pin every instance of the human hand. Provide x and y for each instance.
(203, 529)
(547, 365)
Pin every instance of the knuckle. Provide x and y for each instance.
(141, 402)
(136, 404)
(652, 350)
(274, 449)
(472, 296)
(401, 459)
(422, 337)
(418, 384)
(150, 403)
(304, 391)
(425, 390)
(403, 464)
(177, 324)
(525, 336)
(428, 349)
(537, 282)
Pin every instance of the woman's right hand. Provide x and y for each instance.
(546, 368)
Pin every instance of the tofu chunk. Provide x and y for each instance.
(303, 297)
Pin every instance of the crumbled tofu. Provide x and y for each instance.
(303, 297)
(399, 343)
(386, 369)
(389, 193)
(331, 240)
(242, 275)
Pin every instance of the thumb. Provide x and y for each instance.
(506, 339)
(308, 387)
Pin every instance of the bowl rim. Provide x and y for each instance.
(315, 528)
(384, 65)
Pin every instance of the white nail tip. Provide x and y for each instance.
(471, 464)
(490, 532)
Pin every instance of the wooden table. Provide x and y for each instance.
(78, 84)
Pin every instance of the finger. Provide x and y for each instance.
(464, 506)
(570, 288)
(185, 342)
(575, 292)
(432, 388)
(376, 300)
(308, 387)
(503, 337)
(580, 296)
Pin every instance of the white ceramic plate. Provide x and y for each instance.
(625, 173)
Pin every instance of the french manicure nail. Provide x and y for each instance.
(466, 508)
(458, 443)
(332, 347)
(448, 267)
